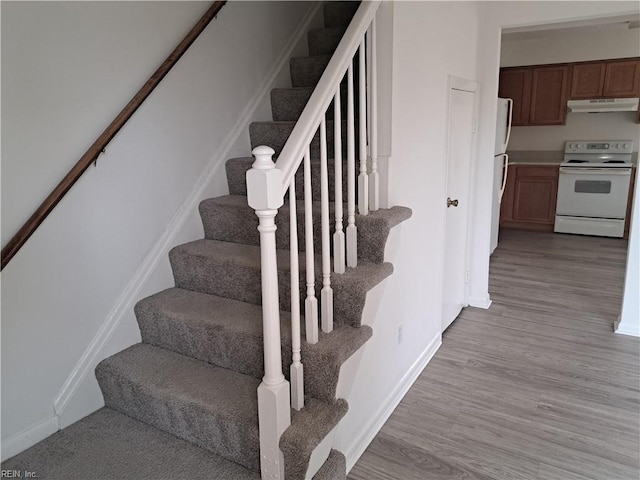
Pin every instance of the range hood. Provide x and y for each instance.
(603, 105)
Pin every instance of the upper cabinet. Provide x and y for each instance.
(549, 95)
(605, 79)
(539, 94)
(587, 80)
(622, 79)
(515, 83)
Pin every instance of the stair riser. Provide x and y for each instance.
(237, 170)
(203, 342)
(217, 346)
(243, 283)
(306, 71)
(192, 422)
(235, 224)
(287, 104)
(338, 14)
(275, 135)
(324, 41)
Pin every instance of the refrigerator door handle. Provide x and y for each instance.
(504, 176)
(510, 117)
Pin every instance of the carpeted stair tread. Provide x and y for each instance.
(335, 468)
(232, 270)
(229, 218)
(107, 445)
(339, 13)
(213, 407)
(324, 41)
(228, 333)
(308, 428)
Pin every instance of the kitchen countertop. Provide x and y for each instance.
(527, 157)
(532, 157)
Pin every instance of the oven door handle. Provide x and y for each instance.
(597, 171)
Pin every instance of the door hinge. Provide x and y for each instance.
(467, 274)
(474, 125)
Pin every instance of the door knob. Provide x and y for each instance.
(452, 202)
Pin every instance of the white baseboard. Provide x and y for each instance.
(480, 302)
(131, 292)
(625, 330)
(369, 432)
(29, 437)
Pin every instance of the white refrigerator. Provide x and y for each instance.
(500, 164)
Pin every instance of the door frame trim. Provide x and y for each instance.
(466, 85)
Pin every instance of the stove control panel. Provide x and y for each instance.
(599, 146)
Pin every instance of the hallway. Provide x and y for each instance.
(536, 387)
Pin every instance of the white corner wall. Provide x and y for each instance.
(494, 17)
(431, 40)
(67, 69)
(630, 315)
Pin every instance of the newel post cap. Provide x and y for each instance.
(264, 181)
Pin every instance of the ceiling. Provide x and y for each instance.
(537, 32)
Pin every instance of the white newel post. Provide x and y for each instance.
(265, 195)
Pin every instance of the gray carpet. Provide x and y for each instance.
(183, 403)
(108, 445)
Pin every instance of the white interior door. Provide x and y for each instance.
(461, 131)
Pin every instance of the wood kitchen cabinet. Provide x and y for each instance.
(529, 201)
(549, 88)
(587, 80)
(605, 79)
(622, 79)
(515, 83)
(539, 94)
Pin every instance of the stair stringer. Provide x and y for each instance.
(351, 367)
(80, 394)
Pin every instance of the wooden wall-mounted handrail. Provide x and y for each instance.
(90, 156)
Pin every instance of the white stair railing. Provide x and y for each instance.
(267, 184)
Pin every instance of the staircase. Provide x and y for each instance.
(197, 370)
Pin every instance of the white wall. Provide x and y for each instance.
(580, 126)
(431, 40)
(570, 46)
(494, 17)
(68, 68)
(573, 46)
(630, 315)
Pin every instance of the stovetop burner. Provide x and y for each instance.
(598, 154)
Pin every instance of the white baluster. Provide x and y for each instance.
(352, 233)
(296, 371)
(264, 194)
(363, 178)
(326, 294)
(311, 302)
(374, 179)
(338, 236)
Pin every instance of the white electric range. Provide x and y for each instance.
(593, 187)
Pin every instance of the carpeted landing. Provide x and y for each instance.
(183, 403)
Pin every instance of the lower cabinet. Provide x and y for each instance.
(529, 200)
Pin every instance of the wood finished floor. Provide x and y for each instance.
(536, 387)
